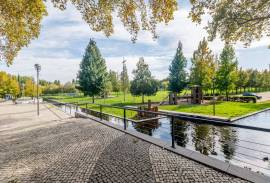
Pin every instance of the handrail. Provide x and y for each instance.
(181, 116)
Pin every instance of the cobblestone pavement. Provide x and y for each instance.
(57, 148)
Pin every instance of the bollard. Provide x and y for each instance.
(125, 120)
(100, 112)
(172, 132)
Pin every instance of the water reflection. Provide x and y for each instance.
(228, 140)
(202, 139)
(147, 127)
(224, 143)
(181, 132)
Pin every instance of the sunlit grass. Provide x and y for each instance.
(223, 109)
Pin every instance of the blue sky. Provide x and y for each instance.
(64, 36)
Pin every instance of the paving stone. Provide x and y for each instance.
(126, 159)
(170, 167)
(57, 148)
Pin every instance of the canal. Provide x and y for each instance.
(242, 147)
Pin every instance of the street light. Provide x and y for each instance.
(38, 68)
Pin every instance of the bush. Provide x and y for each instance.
(233, 98)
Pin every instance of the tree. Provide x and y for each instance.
(8, 85)
(124, 80)
(26, 16)
(178, 75)
(114, 80)
(253, 79)
(57, 82)
(69, 87)
(241, 79)
(203, 66)
(92, 74)
(242, 20)
(265, 79)
(143, 83)
(20, 23)
(29, 88)
(226, 74)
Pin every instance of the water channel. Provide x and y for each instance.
(242, 147)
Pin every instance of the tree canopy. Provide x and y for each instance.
(203, 66)
(20, 20)
(226, 73)
(241, 20)
(8, 85)
(143, 82)
(19, 24)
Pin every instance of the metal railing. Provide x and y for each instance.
(160, 113)
(87, 107)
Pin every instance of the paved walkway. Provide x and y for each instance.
(265, 96)
(57, 148)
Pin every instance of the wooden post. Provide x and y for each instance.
(149, 105)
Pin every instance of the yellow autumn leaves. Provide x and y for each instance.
(20, 20)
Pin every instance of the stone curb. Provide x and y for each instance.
(248, 115)
(192, 155)
(200, 116)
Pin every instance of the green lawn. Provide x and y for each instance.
(114, 100)
(110, 110)
(223, 109)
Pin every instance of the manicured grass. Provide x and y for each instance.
(114, 100)
(114, 111)
(223, 109)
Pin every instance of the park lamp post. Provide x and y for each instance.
(38, 68)
(214, 97)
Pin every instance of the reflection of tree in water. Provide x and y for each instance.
(147, 127)
(180, 132)
(228, 140)
(203, 139)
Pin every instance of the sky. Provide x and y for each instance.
(64, 36)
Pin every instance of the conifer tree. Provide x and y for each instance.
(124, 80)
(178, 75)
(93, 72)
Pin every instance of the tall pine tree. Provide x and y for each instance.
(124, 80)
(93, 72)
(178, 75)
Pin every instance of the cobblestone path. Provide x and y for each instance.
(57, 148)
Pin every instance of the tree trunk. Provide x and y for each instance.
(93, 99)
(227, 95)
(143, 98)
(175, 98)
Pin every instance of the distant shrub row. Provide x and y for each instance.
(233, 98)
